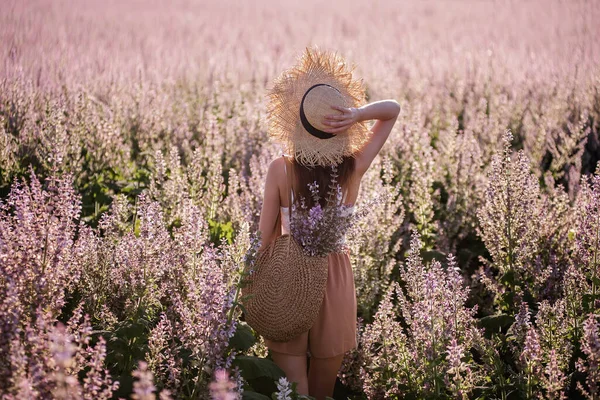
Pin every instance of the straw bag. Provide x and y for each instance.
(286, 289)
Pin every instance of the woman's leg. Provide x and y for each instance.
(294, 368)
(322, 373)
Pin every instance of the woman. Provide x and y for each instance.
(315, 112)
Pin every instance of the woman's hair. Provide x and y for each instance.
(304, 176)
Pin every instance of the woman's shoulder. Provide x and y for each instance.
(277, 165)
(276, 172)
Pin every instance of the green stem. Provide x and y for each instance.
(135, 211)
(528, 383)
(385, 357)
(508, 218)
(235, 299)
(45, 247)
(435, 380)
(237, 292)
(594, 268)
(500, 374)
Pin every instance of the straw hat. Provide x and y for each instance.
(302, 96)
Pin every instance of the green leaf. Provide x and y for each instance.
(263, 385)
(588, 302)
(245, 298)
(219, 230)
(506, 301)
(125, 385)
(495, 323)
(255, 367)
(508, 278)
(241, 306)
(250, 395)
(431, 255)
(243, 338)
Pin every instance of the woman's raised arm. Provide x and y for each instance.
(384, 111)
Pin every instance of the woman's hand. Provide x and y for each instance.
(343, 121)
(385, 112)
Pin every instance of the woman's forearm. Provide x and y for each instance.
(381, 110)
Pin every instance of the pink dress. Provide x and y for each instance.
(334, 331)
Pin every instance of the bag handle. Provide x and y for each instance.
(290, 180)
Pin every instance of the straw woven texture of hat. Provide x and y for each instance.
(287, 290)
(336, 86)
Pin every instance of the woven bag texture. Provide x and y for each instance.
(286, 290)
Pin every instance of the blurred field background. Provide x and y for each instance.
(396, 45)
(133, 151)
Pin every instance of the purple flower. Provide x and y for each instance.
(434, 347)
(591, 363)
(222, 388)
(143, 387)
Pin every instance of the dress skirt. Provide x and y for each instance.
(334, 331)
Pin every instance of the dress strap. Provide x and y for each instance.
(288, 181)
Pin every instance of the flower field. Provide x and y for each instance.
(133, 154)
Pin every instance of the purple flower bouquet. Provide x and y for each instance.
(322, 230)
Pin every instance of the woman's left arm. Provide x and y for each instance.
(271, 203)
